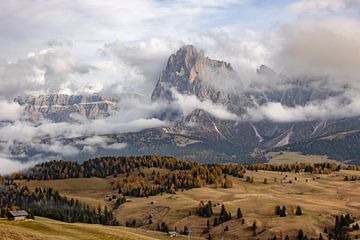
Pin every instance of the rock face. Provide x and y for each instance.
(61, 107)
(190, 72)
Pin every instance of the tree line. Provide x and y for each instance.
(106, 166)
(47, 202)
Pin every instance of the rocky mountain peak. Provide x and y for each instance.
(265, 71)
(188, 71)
(186, 56)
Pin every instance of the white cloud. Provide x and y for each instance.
(188, 103)
(10, 111)
(306, 6)
(45, 72)
(330, 108)
(9, 166)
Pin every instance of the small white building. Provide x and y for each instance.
(173, 234)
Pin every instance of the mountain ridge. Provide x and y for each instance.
(190, 72)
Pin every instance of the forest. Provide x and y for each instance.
(47, 202)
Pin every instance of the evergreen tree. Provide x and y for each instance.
(300, 235)
(239, 213)
(254, 227)
(298, 211)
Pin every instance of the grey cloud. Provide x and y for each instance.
(146, 59)
(320, 48)
(59, 42)
(309, 6)
(10, 111)
(45, 72)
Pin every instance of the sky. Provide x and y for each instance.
(112, 47)
(86, 46)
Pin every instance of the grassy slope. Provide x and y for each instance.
(320, 200)
(43, 228)
(296, 157)
(91, 191)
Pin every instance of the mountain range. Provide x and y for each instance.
(230, 135)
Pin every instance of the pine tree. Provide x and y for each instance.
(239, 213)
(254, 227)
(277, 210)
(300, 235)
(216, 223)
(298, 211)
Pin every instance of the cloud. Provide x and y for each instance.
(26, 24)
(10, 111)
(143, 60)
(59, 42)
(102, 142)
(320, 48)
(330, 108)
(188, 103)
(315, 6)
(305, 6)
(47, 71)
(9, 166)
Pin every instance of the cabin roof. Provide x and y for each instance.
(19, 213)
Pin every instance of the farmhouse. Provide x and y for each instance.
(17, 215)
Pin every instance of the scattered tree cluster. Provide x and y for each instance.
(342, 227)
(281, 211)
(205, 210)
(163, 227)
(224, 216)
(352, 178)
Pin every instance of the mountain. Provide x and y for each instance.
(199, 135)
(189, 72)
(60, 107)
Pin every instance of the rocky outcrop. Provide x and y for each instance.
(62, 107)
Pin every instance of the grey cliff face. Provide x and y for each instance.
(60, 107)
(190, 72)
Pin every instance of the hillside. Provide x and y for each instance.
(342, 146)
(43, 228)
(319, 199)
(319, 189)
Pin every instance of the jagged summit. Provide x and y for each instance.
(265, 71)
(188, 71)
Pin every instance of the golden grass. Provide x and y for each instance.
(296, 157)
(45, 229)
(91, 191)
(320, 200)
